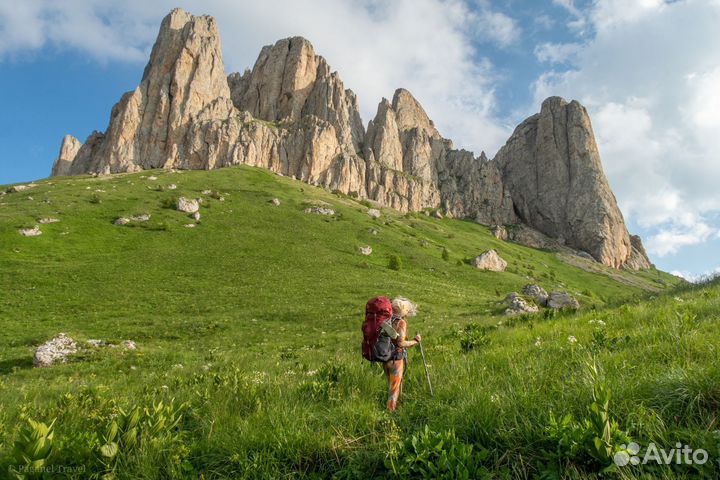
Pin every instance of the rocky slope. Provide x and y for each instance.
(291, 114)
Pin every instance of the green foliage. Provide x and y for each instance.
(32, 449)
(95, 198)
(472, 337)
(591, 441)
(445, 254)
(395, 262)
(436, 455)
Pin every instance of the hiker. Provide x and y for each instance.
(396, 366)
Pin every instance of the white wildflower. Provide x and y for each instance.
(538, 342)
(572, 340)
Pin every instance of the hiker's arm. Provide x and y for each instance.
(403, 335)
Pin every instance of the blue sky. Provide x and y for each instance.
(647, 70)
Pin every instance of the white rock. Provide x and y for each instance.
(517, 305)
(55, 350)
(172, 186)
(129, 345)
(275, 201)
(141, 218)
(152, 177)
(366, 250)
(491, 261)
(196, 216)
(121, 221)
(20, 188)
(206, 192)
(320, 210)
(45, 220)
(30, 232)
(189, 225)
(374, 212)
(537, 293)
(187, 205)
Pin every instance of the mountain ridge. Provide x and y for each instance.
(291, 114)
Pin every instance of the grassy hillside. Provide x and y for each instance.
(250, 322)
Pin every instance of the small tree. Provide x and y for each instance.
(395, 262)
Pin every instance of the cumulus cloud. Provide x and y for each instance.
(426, 46)
(652, 95)
(556, 52)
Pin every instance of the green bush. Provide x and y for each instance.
(436, 455)
(472, 337)
(445, 254)
(395, 262)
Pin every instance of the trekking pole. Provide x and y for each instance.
(427, 374)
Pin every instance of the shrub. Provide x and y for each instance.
(435, 455)
(472, 337)
(33, 447)
(95, 198)
(445, 254)
(395, 262)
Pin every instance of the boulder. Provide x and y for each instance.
(320, 210)
(187, 205)
(53, 351)
(491, 261)
(516, 305)
(366, 250)
(30, 232)
(373, 212)
(560, 300)
(275, 201)
(499, 232)
(537, 293)
(121, 221)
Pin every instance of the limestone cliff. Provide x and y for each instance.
(292, 114)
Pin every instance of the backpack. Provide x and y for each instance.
(377, 347)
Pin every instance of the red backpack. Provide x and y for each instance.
(377, 311)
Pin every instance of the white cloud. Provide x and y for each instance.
(696, 277)
(497, 27)
(425, 46)
(556, 52)
(670, 241)
(652, 94)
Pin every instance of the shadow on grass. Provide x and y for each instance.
(11, 364)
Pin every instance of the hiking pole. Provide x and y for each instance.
(427, 374)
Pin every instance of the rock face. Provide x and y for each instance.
(490, 260)
(552, 168)
(68, 150)
(292, 114)
(56, 350)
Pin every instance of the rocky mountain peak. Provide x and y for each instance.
(551, 165)
(292, 114)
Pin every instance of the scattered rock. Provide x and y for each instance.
(129, 345)
(45, 220)
(491, 261)
(537, 293)
(560, 300)
(275, 201)
(373, 231)
(195, 216)
(20, 188)
(423, 243)
(141, 218)
(320, 210)
(206, 192)
(189, 225)
(187, 205)
(517, 305)
(438, 214)
(499, 232)
(366, 250)
(96, 343)
(56, 350)
(172, 186)
(152, 177)
(30, 232)
(121, 221)
(374, 212)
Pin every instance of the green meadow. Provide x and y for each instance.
(248, 343)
